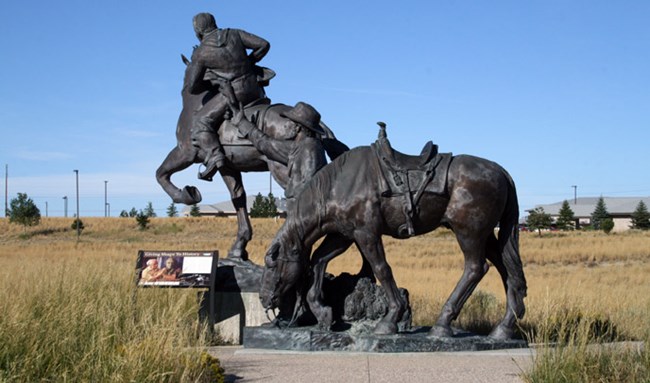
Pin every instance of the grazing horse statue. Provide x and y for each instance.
(372, 191)
(240, 154)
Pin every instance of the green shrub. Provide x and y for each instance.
(607, 225)
(142, 219)
(74, 224)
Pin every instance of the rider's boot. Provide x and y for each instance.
(214, 154)
(215, 160)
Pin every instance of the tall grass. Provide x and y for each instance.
(66, 311)
(68, 314)
(574, 347)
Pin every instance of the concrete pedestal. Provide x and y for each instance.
(236, 310)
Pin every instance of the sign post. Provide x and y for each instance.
(179, 269)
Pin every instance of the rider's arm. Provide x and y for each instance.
(275, 150)
(259, 46)
(195, 73)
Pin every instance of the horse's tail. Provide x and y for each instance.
(509, 246)
(333, 147)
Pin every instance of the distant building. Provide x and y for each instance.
(227, 209)
(619, 208)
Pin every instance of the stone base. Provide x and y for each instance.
(234, 311)
(418, 340)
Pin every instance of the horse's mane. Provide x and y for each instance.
(311, 201)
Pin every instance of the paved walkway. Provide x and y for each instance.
(255, 365)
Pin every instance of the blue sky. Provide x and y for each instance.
(555, 91)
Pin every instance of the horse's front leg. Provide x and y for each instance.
(178, 160)
(234, 183)
(372, 248)
(333, 245)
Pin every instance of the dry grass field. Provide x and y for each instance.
(66, 304)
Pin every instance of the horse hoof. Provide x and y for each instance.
(190, 195)
(502, 333)
(385, 328)
(441, 331)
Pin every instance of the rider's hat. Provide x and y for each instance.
(305, 115)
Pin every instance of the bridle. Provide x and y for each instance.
(271, 292)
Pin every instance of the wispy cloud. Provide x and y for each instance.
(33, 155)
(90, 184)
(380, 92)
(137, 133)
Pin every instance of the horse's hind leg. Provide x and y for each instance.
(473, 247)
(176, 161)
(234, 183)
(505, 328)
(333, 245)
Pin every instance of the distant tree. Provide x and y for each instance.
(271, 206)
(599, 214)
(264, 207)
(538, 220)
(171, 210)
(124, 214)
(195, 211)
(607, 225)
(257, 210)
(23, 211)
(566, 219)
(142, 218)
(641, 217)
(149, 211)
(133, 212)
(74, 225)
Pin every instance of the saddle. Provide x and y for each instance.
(229, 134)
(408, 177)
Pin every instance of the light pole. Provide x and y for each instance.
(105, 198)
(77, 221)
(6, 188)
(575, 194)
(65, 206)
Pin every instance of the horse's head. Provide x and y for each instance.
(187, 63)
(284, 266)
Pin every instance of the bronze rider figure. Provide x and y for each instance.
(222, 63)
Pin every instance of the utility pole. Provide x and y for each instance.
(105, 198)
(6, 188)
(575, 194)
(77, 221)
(46, 215)
(65, 206)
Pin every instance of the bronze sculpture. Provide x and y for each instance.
(240, 154)
(223, 54)
(300, 154)
(373, 191)
(363, 194)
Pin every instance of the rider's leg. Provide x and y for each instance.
(205, 137)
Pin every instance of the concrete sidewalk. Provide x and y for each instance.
(256, 365)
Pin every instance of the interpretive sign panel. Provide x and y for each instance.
(176, 268)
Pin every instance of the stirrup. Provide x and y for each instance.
(214, 164)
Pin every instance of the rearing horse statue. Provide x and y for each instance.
(240, 153)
